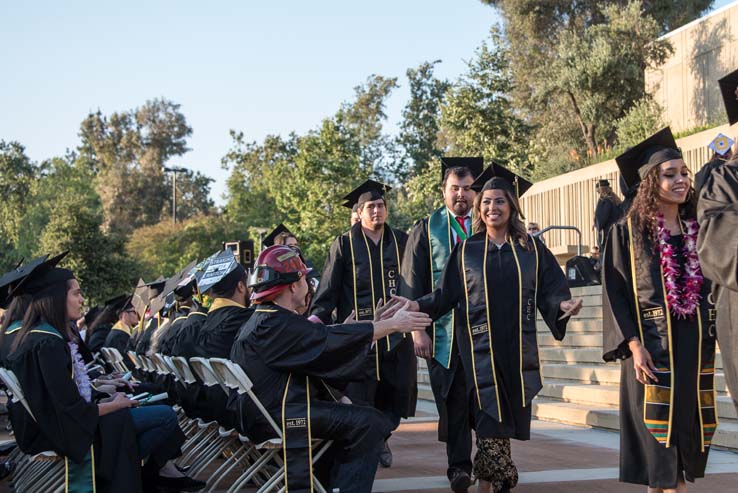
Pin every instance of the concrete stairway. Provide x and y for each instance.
(579, 388)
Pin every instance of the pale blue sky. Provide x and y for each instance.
(266, 67)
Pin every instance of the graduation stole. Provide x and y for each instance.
(658, 397)
(297, 443)
(357, 241)
(119, 325)
(440, 244)
(77, 477)
(479, 330)
(14, 327)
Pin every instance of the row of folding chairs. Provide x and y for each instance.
(33, 473)
(258, 463)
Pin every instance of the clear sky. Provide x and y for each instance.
(257, 67)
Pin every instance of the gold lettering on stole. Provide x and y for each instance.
(295, 423)
(479, 329)
(653, 313)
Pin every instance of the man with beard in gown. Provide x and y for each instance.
(362, 268)
(287, 357)
(428, 247)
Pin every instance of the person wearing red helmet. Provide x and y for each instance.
(288, 358)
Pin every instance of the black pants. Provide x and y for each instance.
(452, 402)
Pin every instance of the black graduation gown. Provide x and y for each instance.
(672, 414)
(143, 342)
(417, 280)
(118, 338)
(606, 214)
(286, 357)
(215, 340)
(96, 340)
(6, 343)
(185, 340)
(353, 280)
(66, 423)
(166, 342)
(500, 395)
(717, 213)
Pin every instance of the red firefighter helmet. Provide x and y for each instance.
(276, 267)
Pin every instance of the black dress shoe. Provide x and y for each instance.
(185, 483)
(385, 456)
(460, 481)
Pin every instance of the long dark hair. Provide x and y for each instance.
(50, 308)
(108, 316)
(645, 208)
(515, 225)
(15, 311)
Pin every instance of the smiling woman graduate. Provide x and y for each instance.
(496, 279)
(658, 323)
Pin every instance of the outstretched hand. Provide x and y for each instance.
(407, 320)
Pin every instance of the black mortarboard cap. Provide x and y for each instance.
(92, 314)
(602, 183)
(369, 190)
(218, 267)
(637, 161)
(269, 239)
(10, 279)
(171, 284)
(473, 164)
(503, 178)
(729, 90)
(119, 303)
(43, 275)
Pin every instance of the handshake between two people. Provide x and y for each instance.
(399, 314)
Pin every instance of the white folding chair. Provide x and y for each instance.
(236, 377)
(43, 471)
(135, 360)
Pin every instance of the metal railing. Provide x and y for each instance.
(569, 228)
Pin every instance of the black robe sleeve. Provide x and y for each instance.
(331, 283)
(602, 213)
(717, 213)
(119, 340)
(552, 290)
(619, 324)
(63, 416)
(332, 352)
(415, 276)
(448, 290)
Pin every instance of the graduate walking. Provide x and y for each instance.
(658, 325)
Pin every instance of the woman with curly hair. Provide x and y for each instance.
(496, 279)
(659, 323)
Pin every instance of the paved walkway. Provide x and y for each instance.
(558, 458)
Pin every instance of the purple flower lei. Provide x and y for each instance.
(80, 373)
(683, 299)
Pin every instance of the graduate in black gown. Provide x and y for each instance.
(121, 331)
(606, 212)
(146, 297)
(362, 268)
(496, 280)
(287, 357)
(718, 218)
(426, 254)
(99, 328)
(186, 302)
(102, 443)
(659, 323)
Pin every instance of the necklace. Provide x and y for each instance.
(682, 288)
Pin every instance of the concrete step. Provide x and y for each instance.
(425, 393)
(586, 355)
(609, 395)
(578, 325)
(571, 340)
(586, 291)
(608, 418)
(597, 374)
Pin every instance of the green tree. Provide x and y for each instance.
(643, 119)
(578, 65)
(193, 194)
(477, 117)
(165, 248)
(128, 151)
(420, 125)
(17, 176)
